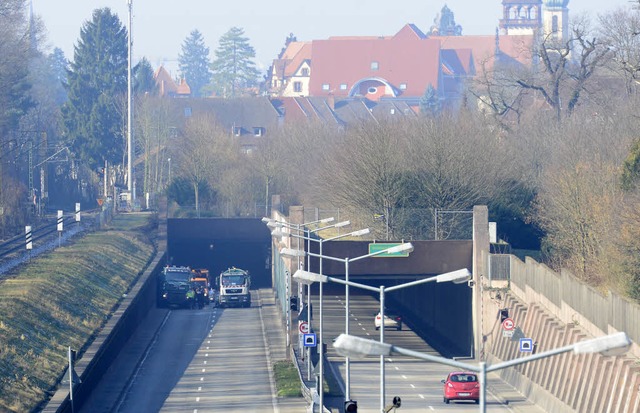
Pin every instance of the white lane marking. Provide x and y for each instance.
(199, 388)
(368, 334)
(412, 386)
(421, 396)
(203, 370)
(206, 355)
(201, 378)
(267, 355)
(396, 367)
(197, 399)
(431, 408)
(404, 377)
(205, 362)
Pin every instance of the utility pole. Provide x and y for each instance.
(129, 110)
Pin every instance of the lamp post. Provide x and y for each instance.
(321, 241)
(272, 223)
(279, 233)
(406, 247)
(457, 277)
(611, 345)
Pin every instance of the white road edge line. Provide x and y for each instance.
(267, 354)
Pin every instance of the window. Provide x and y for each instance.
(305, 71)
(187, 112)
(372, 90)
(237, 130)
(297, 86)
(258, 131)
(325, 86)
(343, 86)
(554, 24)
(374, 66)
(403, 86)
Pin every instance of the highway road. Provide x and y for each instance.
(200, 360)
(416, 382)
(213, 360)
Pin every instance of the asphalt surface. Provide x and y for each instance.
(124, 384)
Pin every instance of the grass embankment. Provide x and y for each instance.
(288, 381)
(62, 299)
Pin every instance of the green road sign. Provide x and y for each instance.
(379, 246)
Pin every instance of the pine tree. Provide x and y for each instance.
(430, 102)
(194, 63)
(143, 82)
(97, 84)
(234, 69)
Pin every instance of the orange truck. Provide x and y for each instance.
(201, 282)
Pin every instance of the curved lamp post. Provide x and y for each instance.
(273, 223)
(351, 346)
(405, 247)
(457, 277)
(321, 241)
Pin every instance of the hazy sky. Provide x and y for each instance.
(161, 26)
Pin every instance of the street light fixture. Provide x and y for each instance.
(611, 345)
(295, 253)
(273, 223)
(459, 276)
(277, 232)
(406, 247)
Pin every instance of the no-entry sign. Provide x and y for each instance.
(508, 324)
(304, 327)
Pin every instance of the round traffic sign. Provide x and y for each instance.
(508, 324)
(304, 327)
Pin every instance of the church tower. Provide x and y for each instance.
(556, 19)
(521, 16)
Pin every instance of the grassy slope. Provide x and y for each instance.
(62, 299)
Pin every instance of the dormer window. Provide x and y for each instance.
(403, 86)
(258, 131)
(375, 65)
(237, 130)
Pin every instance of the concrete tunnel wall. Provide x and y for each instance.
(441, 313)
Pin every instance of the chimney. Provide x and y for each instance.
(331, 101)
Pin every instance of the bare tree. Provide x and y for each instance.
(195, 157)
(562, 70)
(620, 31)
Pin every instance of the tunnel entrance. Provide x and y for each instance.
(221, 243)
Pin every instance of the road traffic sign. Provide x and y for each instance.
(508, 324)
(526, 345)
(309, 340)
(304, 327)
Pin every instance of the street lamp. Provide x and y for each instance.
(273, 223)
(457, 277)
(611, 345)
(406, 247)
(321, 241)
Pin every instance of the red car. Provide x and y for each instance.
(461, 385)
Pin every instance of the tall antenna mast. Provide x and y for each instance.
(129, 111)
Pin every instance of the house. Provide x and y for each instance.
(403, 66)
(168, 87)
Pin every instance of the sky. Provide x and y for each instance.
(161, 26)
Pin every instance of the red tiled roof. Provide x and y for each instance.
(483, 47)
(304, 53)
(408, 58)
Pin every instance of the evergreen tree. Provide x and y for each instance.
(59, 65)
(15, 55)
(194, 63)
(97, 82)
(430, 102)
(234, 68)
(143, 81)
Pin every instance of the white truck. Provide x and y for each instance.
(234, 287)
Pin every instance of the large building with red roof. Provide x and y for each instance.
(403, 66)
